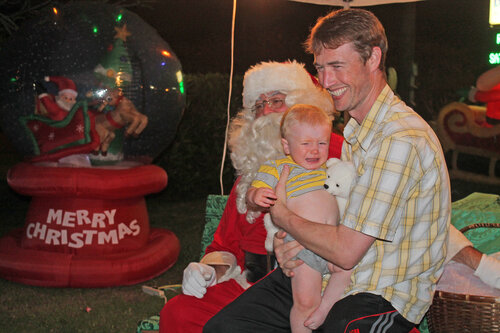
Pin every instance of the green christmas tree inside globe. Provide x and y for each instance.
(111, 55)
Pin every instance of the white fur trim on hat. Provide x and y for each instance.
(68, 91)
(273, 76)
(290, 78)
(63, 84)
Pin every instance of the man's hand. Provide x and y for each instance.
(278, 210)
(286, 252)
(197, 278)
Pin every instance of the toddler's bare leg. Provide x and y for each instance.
(333, 292)
(306, 289)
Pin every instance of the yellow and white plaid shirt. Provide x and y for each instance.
(402, 198)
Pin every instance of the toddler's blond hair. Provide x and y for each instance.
(304, 114)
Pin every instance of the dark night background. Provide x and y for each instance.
(200, 30)
(449, 40)
(452, 38)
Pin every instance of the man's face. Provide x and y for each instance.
(270, 104)
(308, 145)
(342, 72)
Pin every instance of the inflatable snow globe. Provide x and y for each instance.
(91, 95)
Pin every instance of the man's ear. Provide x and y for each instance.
(375, 58)
(286, 148)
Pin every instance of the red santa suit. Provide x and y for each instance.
(47, 104)
(492, 100)
(235, 235)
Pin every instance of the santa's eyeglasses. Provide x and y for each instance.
(273, 103)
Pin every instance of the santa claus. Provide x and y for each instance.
(57, 107)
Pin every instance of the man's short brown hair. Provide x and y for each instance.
(339, 27)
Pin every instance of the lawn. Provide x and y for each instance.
(118, 309)
(35, 309)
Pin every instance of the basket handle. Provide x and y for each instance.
(480, 225)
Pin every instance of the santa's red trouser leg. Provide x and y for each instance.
(189, 314)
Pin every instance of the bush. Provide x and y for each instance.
(193, 159)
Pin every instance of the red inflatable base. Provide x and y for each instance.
(53, 269)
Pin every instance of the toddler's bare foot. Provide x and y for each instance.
(316, 318)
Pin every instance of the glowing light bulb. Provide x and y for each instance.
(181, 81)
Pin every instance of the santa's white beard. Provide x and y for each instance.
(63, 104)
(253, 142)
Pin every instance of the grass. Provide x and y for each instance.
(26, 308)
(118, 309)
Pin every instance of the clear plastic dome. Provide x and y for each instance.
(101, 48)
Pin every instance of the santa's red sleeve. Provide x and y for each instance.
(54, 111)
(492, 100)
(335, 149)
(488, 96)
(236, 235)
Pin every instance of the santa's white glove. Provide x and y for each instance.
(472, 94)
(197, 278)
(489, 271)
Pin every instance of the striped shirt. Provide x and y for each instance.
(299, 181)
(402, 198)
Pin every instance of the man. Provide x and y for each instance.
(236, 257)
(394, 231)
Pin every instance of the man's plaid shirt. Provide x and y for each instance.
(402, 198)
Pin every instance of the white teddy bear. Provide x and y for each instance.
(271, 229)
(340, 176)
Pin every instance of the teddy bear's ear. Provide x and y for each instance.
(332, 161)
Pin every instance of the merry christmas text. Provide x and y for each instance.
(72, 219)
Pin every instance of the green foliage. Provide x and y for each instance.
(194, 158)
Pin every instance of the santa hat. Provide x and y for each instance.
(63, 84)
(289, 78)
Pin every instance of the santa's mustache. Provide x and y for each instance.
(63, 104)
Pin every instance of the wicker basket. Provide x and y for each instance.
(453, 313)
(456, 313)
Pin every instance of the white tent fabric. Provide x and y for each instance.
(353, 3)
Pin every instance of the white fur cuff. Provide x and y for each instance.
(219, 258)
(489, 271)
